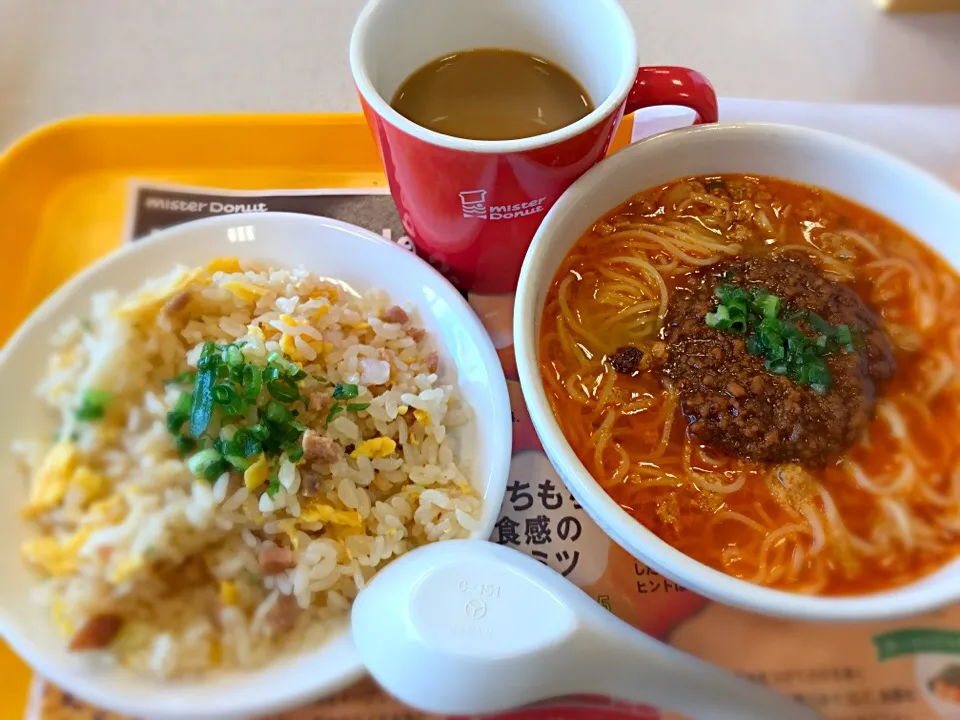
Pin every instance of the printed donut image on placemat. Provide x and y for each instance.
(945, 685)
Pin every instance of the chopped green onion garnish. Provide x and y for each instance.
(276, 413)
(288, 367)
(227, 384)
(845, 337)
(180, 413)
(208, 464)
(184, 403)
(239, 463)
(202, 408)
(252, 381)
(819, 324)
(245, 443)
(284, 389)
(819, 377)
(777, 367)
(785, 348)
(175, 421)
(357, 407)
(320, 378)
(93, 404)
(232, 356)
(719, 319)
(345, 391)
(768, 305)
(274, 487)
(184, 444)
(223, 393)
(334, 411)
(260, 432)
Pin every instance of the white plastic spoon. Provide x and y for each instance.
(468, 627)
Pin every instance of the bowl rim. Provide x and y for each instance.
(630, 534)
(494, 437)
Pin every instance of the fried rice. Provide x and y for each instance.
(165, 547)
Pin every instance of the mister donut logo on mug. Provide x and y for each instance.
(473, 203)
(482, 120)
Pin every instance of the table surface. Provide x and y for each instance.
(60, 58)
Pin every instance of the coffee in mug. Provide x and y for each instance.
(492, 94)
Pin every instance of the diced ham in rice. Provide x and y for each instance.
(395, 314)
(319, 448)
(96, 633)
(274, 560)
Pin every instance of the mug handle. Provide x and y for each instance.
(670, 85)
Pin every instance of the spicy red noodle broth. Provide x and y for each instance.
(765, 375)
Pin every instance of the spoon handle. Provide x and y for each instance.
(625, 663)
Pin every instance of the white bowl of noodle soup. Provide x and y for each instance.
(312, 272)
(917, 202)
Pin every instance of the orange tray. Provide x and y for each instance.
(64, 190)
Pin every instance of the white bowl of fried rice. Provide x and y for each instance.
(216, 437)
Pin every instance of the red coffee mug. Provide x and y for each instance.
(471, 207)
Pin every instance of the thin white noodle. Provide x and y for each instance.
(942, 377)
(861, 241)
(763, 221)
(904, 479)
(605, 391)
(815, 585)
(574, 386)
(570, 316)
(731, 516)
(702, 452)
(926, 310)
(646, 483)
(675, 250)
(708, 486)
(680, 233)
(797, 565)
(894, 419)
(625, 314)
(828, 262)
(622, 468)
(940, 500)
(775, 536)
(898, 514)
(601, 436)
(895, 264)
(840, 530)
(650, 272)
(670, 412)
(703, 483)
(816, 528)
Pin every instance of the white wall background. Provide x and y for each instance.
(68, 57)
